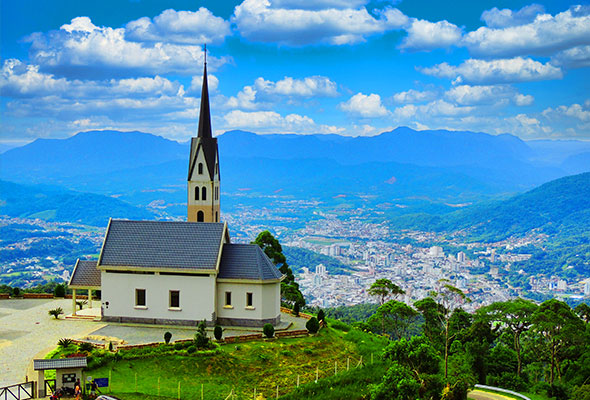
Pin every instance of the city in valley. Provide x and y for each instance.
(34, 251)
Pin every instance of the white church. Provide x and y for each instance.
(180, 273)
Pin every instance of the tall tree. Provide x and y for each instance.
(583, 311)
(290, 291)
(516, 316)
(560, 327)
(395, 318)
(384, 289)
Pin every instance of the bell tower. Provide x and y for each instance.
(203, 169)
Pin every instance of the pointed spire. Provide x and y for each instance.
(205, 115)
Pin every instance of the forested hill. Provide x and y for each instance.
(56, 204)
(560, 207)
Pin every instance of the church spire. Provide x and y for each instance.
(205, 115)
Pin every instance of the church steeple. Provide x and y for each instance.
(203, 169)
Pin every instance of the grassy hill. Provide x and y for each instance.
(260, 365)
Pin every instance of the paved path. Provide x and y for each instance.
(27, 332)
(481, 395)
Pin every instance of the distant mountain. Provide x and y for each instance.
(433, 166)
(560, 207)
(55, 204)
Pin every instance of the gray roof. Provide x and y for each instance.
(85, 274)
(60, 363)
(162, 244)
(246, 261)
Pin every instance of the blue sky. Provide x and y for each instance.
(350, 67)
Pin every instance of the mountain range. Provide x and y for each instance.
(414, 169)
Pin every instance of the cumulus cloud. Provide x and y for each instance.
(186, 27)
(318, 4)
(265, 91)
(487, 95)
(504, 18)
(576, 57)
(84, 50)
(496, 71)
(365, 106)
(269, 121)
(576, 111)
(426, 35)
(545, 35)
(286, 23)
(414, 96)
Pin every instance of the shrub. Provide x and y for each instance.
(85, 347)
(191, 349)
(313, 325)
(296, 309)
(201, 339)
(81, 303)
(558, 391)
(218, 332)
(16, 292)
(322, 316)
(59, 291)
(268, 330)
(56, 312)
(64, 342)
(178, 346)
(167, 337)
(110, 346)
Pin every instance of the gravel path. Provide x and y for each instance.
(27, 331)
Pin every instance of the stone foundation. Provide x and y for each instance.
(249, 322)
(154, 321)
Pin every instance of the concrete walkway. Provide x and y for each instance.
(28, 332)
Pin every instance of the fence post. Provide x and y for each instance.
(158, 385)
(136, 382)
(202, 391)
(317, 373)
(277, 391)
(297, 380)
(335, 367)
(371, 358)
(110, 380)
(347, 363)
(254, 393)
(178, 390)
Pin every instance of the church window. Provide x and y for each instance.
(140, 297)
(249, 299)
(200, 168)
(204, 193)
(216, 217)
(216, 193)
(197, 193)
(174, 299)
(228, 299)
(200, 216)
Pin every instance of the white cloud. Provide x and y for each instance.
(261, 21)
(504, 18)
(21, 80)
(495, 71)
(365, 106)
(576, 57)
(487, 95)
(318, 4)
(83, 50)
(197, 84)
(576, 111)
(186, 27)
(270, 121)
(414, 96)
(543, 36)
(426, 35)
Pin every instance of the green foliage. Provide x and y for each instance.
(384, 289)
(167, 337)
(581, 392)
(218, 332)
(201, 339)
(296, 309)
(350, 314)
(179, 346)
(312, 325)
(395, 318)
(60, 290)
(397, 384)
(56, 312)
(16, 291)
(191, 349)
(85, 347)
(110, 346)
(299, 258)
(583, 311)
(81, 303)
(64, 342)
(321, 315)
(268, 330)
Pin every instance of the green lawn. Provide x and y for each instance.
(260, 365)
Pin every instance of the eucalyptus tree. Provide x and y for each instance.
(384, 289)
(516, 316)
(395, 318)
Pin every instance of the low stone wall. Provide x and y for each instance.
(4, 296)
(296, 333)
(37, 296)
(301, 314)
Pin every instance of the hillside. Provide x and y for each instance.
(55, 204)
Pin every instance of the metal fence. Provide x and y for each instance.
(18, 391)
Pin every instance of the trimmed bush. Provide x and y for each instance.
(60, 291)
(313, 325)
(110, 346)
(321, 316)
(191, 349)
(218, 332)
(296, 309)
(178, 346)
(85, 347)
(201, 339)
(167, 337)
(268, 330)
(16, 292)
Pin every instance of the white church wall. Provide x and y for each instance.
(197, 298)
(265, 308)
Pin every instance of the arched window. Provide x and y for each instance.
(200, 216)
(216, 217)
(200, 168)
(204, 193)
(216, 193)
(197, 193)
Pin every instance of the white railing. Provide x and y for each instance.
(501, 390)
